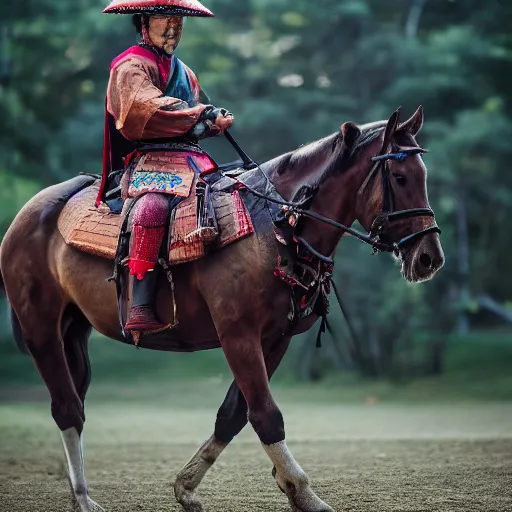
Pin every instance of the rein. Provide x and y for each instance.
(376, 237)
(381, 224)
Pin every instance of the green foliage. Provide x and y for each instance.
(477, 369)
(293, 72)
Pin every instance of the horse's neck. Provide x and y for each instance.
(336, 197)
(305, 166)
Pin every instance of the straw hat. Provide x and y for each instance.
(161, 7)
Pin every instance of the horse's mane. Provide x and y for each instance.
(369, 132)
(330, 147)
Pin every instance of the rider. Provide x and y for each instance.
(153, 98)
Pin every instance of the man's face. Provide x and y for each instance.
(165, 32)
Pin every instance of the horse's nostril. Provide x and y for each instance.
(426, 260)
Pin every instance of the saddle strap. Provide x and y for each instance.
(119, 277)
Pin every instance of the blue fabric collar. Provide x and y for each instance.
(178, 85)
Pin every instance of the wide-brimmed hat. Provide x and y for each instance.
(162, 7)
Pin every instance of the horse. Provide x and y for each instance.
(58, 293)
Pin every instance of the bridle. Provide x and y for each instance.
(378, 236)
(379, 232)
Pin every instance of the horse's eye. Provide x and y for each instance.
(400, 179)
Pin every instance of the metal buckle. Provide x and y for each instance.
(379, 226)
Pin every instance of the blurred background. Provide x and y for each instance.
(411, 414)
(292, 72)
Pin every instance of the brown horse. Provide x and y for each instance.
(230, 299)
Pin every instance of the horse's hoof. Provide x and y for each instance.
(191, 504)
(85, 504)
(305, 500)
(323, 508)
(328, 509)
(300, 495)
(95, 507)
(187, 499)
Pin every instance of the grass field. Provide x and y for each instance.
(477, 367)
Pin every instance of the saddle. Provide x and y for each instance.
(219, 211)
(192, 233)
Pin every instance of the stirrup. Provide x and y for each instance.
(142, 320)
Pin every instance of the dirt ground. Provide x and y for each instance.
(364, 458)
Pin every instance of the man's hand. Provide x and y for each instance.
(224, 119)
(213, 121)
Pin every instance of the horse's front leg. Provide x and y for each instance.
(248, 366)
(231, 419)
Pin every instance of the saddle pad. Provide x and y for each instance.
(90, 229)
(96, 230)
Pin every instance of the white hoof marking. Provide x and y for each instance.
(292, 479)
(72, 442)
(193, 472)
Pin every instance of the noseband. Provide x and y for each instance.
(381, 226)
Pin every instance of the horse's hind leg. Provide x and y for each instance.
(233, 416)
(76, 336)
(42, 323)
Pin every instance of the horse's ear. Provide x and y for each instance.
(414, 124)
(391, 128)
(350, 133)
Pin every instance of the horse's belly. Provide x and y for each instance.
(84, 279)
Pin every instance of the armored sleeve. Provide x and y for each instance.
(140, 109)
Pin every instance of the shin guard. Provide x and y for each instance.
(149, 220)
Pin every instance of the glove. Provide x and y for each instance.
(223, 119)
(211, 122)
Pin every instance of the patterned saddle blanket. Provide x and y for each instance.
(96, 230)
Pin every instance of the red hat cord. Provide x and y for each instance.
(155, 7)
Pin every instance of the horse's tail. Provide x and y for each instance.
(15, 323)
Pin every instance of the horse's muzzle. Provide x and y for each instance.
(424, 259)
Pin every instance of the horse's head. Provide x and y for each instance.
(392, 202)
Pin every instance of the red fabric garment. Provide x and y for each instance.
(163, 62)
(146, 245)
(164, 66)
(107, 166)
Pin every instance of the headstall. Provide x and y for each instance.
(379, 232)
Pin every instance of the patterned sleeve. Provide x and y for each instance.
(140, 109)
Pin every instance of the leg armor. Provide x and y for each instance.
(149, 220)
